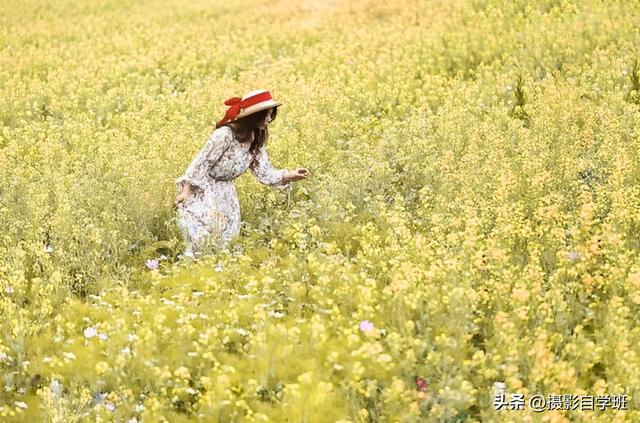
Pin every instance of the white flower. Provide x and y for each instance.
(219, 267)
(151, 264)
(47, 359)
(191, 391)
(197, 294)
(69, 355)
(110, 406)
(90, 332)
(56, 387)
(99, 397)
(3, 356)
(125, 350)
(9, 290)
(132, 420)
(139, 408)
(132, 337)
(48, 249)
(103, 336)
(21, 404)
(242, 332)
(366, 326)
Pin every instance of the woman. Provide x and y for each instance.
(207, 203)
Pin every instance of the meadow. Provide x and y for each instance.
(472, 218)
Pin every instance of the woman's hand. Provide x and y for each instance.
(183, 196)
(296, 175)
(180, 199)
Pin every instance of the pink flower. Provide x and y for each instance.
(421, 384)
(366, 326)
(152, 264)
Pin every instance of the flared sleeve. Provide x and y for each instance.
(265, 173)
(197, 172)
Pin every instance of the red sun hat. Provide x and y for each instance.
(252, 102)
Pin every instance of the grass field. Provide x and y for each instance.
(472, 218)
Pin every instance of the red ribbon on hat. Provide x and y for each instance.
(238, 104)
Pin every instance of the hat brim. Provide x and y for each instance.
(258, 107)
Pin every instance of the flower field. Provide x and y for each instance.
(471, 224)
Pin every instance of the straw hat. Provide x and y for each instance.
(252, 102)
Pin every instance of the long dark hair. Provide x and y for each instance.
(248, 124)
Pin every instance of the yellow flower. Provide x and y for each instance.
(101, 367)
(384, 358)
(182, 372)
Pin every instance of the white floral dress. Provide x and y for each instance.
(211, 214)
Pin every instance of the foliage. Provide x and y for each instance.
(472, 217)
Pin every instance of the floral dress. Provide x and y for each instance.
(211, 213)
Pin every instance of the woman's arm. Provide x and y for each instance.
(197, 172)
(266, 174)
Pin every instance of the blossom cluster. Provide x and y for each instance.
(471, 225)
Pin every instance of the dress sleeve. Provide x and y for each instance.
(265, 173)
(197, 172)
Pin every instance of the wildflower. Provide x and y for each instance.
(69, 355)
(384, 358)
(422, 395)
(55, 387)
(366, 326)
(21, 404)
(101, 367)
(103, 336)
(152, 264)
(573, 255)
(90, 332)
(219, 267)
(163, 257)
(110, 406)
(182, 372)
(421, 384)
(48, 249)
(98, 398)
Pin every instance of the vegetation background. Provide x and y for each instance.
(472, 219)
